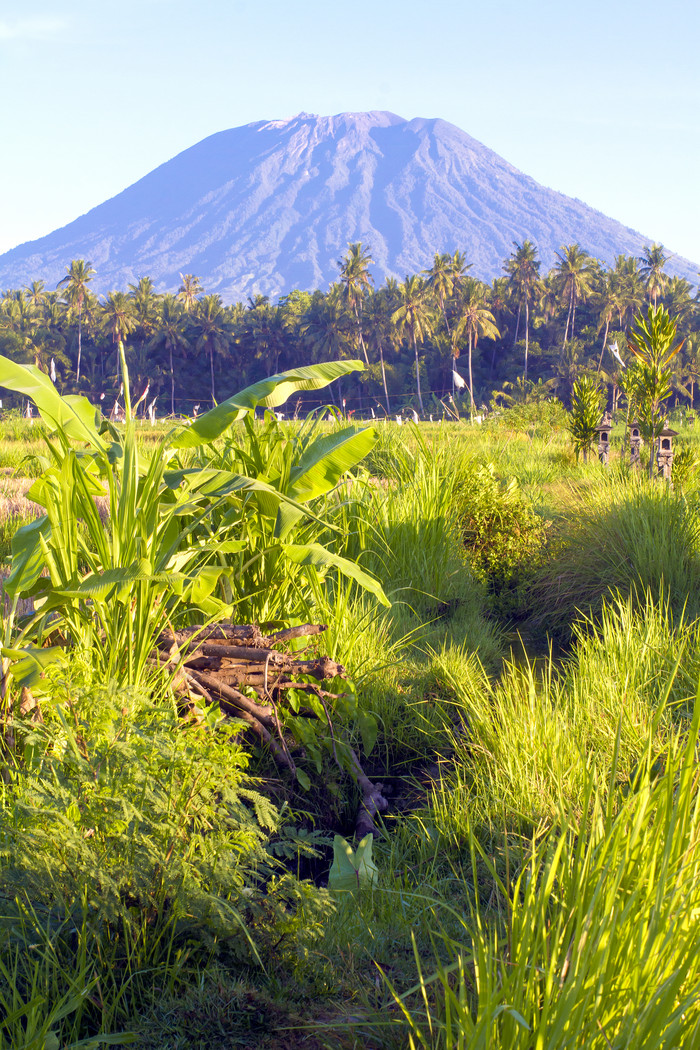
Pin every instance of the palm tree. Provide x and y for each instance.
(574, 275)
(78, 276)
(609, 304)
(475, 320)
(36, 294)
(568, 366)
(523, 269)
(118, 319)
(651, 271)
(443, 277)
(356, 281)
(679, 303)
(499, 298)
(24, 321)
(626, 286)
(145, 299)
(691, 365)
(325, 328)
(188, 291)
(382, 329)
(170, 336)
(414, 314)
(261, 333)
(212, 332)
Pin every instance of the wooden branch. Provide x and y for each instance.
(210, 662)
(260, 731)
(234, 698)
(249, 634)
(245, 633)
(238, 652)
(302, 631)
(321, 668)
(373, 801)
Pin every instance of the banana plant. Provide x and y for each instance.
(302, 465)
(172, 542)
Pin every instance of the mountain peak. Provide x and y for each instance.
(273, 205)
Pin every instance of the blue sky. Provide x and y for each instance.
(599, 101)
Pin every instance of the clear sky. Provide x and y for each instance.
(599, 100)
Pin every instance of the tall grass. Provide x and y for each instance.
(623, 535)
(599, 944)
(528, 743)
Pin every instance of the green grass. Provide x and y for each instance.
(620, 535)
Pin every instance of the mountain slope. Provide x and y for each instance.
(273, 205)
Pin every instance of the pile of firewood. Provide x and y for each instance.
(213, 664)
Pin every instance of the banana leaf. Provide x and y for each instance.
(27, 556)
(324, 462)
(74, 416)
(268, 393)
(28, 664)
(313, 554)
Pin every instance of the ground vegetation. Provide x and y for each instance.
(318, 733)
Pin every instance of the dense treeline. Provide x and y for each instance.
(524, 333)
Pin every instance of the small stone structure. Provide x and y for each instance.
(603, 431)
(664, 453)
(635, 444)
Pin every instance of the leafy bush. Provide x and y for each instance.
(119, 802)
(685, 464)
(586, 406)
(538, 418)
(502, 534)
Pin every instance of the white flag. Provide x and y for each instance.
(53, 370)
(459, 382)
(616, 353)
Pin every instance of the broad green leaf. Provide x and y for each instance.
(98, 585)
(351, 868)
(315, 555)
(28, 664)
(325, 461)
(204, 583)
(219, 547)
(216, 484)
(303, 779)
(268, 393)
(72, 415)
(368, 731)
(27, 556)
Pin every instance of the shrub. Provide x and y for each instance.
(586, 406)
(502, 534)
(685, 464)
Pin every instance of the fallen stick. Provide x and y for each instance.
(264, 714)
(373, 801)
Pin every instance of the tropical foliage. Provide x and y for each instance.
(188, 350)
